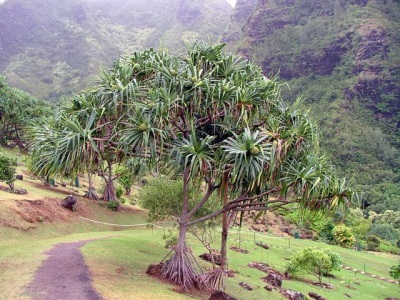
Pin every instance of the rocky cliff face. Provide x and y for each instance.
(343, 56)
(243, 10)
(357, 40)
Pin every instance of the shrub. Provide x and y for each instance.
(394, 271)
(7, 170)
(119, 191)
(162, 197)
(113, 205)
(373, 242)
(384, 231)
(314, 261)
(343, 236)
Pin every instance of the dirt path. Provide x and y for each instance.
(63, 275)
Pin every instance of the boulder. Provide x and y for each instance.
(69, 202)
(273, 279)
(154, 270)
(315, 296)
(292, 295)
(220, 295)
(246, 286)
(20, 192)
(268, 288)
(207, 257)
(19, 176)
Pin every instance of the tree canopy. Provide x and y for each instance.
(17, 110)
(212, 119)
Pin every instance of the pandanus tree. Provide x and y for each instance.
(80, 138)
(219, 123)
(17, 110)
(83, 136)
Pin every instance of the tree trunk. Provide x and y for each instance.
(128, 191)
(180, 268)
(109, 189)
(91, 194)
(224, 232)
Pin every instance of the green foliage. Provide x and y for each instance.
(373, 242)
(170, 237)
(72, 56)
(162, 197)
(7, 170)
(314, 261)
(17, 110)
(395, 271)
(119, 191)
(343, 236)
(113, 205)
(384, 231)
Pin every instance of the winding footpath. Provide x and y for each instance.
(63, 275)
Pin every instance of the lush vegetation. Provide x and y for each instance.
(59, 47)
(314, 261)
(343, 57)
(210, 118)
(7, 170)
(17, 110)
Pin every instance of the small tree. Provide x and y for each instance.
(314, 261)
(394, 271)
(343, 236)
(7, 170)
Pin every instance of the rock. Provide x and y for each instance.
(268, 288)
(20, 192)
(231, 273)
(220, 295)
(246, 286)
(259, 266)
(237, 249)
(207, 257)
(262, 245)
(69, 202)
(154, 269)
(273, 279)
(347, 295)
(315, 296)
(19, 176)
(292, 295)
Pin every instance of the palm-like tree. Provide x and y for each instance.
(215, 120)
(219, 120)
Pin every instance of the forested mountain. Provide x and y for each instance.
(344, 58)
(50, 48)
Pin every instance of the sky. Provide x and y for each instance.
(231, 2)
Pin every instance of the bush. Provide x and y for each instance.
(343, 236)
(7, 170)
(119, 191)
(384, 231)
(373, 242)
(162, 197)
(314, 261)
(113, 205)
(394, 271)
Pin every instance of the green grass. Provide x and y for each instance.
(118, 263)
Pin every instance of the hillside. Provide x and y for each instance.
(344, 58)
(51, 48)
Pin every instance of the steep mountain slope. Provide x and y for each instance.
(49, 48)
(344, 57)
